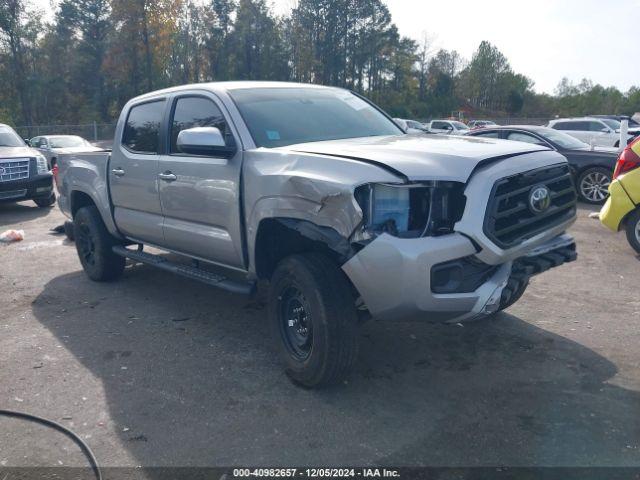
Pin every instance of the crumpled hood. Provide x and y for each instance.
(17, 152)
(421, 157)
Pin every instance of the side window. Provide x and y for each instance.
(581, 126)
(562, 126)
(193, 112)
(523, 137)
(142, 130)
(494, 134)
(439, 125)
(596, 126)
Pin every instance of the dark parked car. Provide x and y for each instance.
(591, 168)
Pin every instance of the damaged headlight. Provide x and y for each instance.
(410, 210)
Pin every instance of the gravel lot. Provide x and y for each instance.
(155, 370)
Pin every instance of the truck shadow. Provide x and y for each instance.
(191, 378)
(11, 213)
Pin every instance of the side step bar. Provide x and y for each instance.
(193, 273)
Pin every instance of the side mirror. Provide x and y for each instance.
(27, 141)
(206, 141)
(606, 130)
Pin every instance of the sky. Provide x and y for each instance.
(543, 39)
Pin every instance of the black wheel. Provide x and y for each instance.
(632, 227)
(46, 202)
(94, 243)
(68, 230)
(314, 319)
(593, 185)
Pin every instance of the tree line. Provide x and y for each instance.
(94, 55)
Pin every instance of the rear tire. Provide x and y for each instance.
(632, 228)
(45, 202)
(94, 245)
(593, 184)
(314, 320)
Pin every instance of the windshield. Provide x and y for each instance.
(460, 125)
(613, 124)
(67, 142)
(9, 138)
(284, 116)
(561, 139)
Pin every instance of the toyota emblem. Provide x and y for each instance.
(539, 199)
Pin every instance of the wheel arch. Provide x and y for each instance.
(279, 237)
(79, 198)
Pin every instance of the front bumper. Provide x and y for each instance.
(393, 277)
(36, 186)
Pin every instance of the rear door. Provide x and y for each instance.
(602, 134)
(200, 195)
(133, 172)
(575, 128)
(581, 130)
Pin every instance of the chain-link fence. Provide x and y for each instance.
(519, 120)
(91, 131)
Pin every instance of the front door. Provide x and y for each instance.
(133, 173)
(200, 194)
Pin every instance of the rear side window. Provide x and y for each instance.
(565, 126)
(523, 137)
(142, 131)
(191, 112)
(489, 134)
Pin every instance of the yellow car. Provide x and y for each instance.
(622, 209)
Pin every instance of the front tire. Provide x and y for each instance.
(314, 320)
(94, 245)
(593, 185)
(632, 227)
(45, 202)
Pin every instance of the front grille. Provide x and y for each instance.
(510, 220)
(11, 170)
(12, 194)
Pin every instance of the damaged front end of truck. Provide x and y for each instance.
(441, 250)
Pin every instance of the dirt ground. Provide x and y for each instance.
(155, 370)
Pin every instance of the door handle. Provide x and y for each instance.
(118, 172)
(167, 176)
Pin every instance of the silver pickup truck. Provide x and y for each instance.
(319, 192)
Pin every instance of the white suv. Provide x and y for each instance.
(604, 132)
(452, 127)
